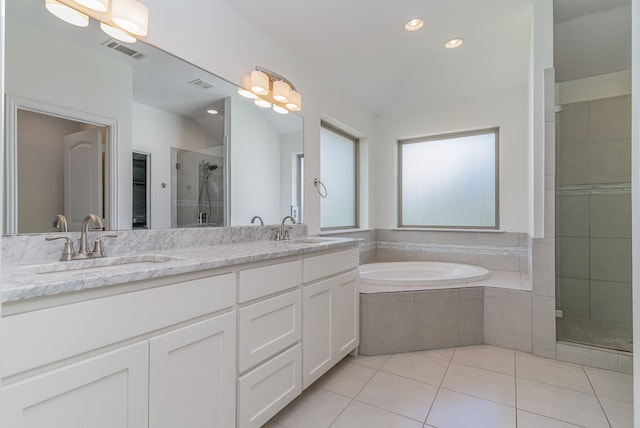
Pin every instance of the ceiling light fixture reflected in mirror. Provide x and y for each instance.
(212, 111)
(414, 24)
(67, 14)
(454, 43)
(271, 89)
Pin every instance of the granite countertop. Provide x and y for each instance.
(27, 281)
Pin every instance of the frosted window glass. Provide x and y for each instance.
(449, 182)
(338, 173)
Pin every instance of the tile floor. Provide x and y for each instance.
(470, 386)
(609, 335)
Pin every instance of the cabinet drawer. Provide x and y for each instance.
(266, 390)
(267, 327)
(329, 264)
(262, 281)
(45, 336)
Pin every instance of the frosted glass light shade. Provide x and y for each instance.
(295, 101)
(280, 109)
(130, 15)
(281, 91)
(262, 103)
(117, 33)
(97, 5)
(66, 13)
(259, 82)
(247, 94)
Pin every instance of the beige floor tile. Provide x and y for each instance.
(360, 415)
(315, 408)
(441, 354)
(531, 420)
(481, 383)
(560, 403)
(346, 378)
(400, 395)
(454, 410)
(620, 414)
(616, 386)
(565, 375)
(374, 361)
(273, 424)
(416, 367)
(486, 357)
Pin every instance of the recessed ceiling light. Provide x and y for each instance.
(414, 24)
(212, 111)
(454, 43)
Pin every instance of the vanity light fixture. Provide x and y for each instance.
(269, 89)
(454, 43)
(97, 5)
(120, 20)
(117, 33)
(66, 13)
(414, 24)
(130, 15)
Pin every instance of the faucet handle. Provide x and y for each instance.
(98, 251)
(68, 252)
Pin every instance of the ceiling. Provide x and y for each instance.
(361, 48)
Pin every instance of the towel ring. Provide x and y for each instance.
(320, 188)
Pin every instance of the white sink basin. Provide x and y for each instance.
(106, 263)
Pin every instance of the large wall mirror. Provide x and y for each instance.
(135, 135)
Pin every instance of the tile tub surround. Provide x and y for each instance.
(471, 386)
(20, 282)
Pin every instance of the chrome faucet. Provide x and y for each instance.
(257, 217)
(60, 222)
(283, 233)
(83, 252)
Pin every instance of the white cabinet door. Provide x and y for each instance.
(107, 391)
(192, 375)
(329, 324)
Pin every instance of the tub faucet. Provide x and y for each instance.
(283, 233)
(83, 252)
(257, 217)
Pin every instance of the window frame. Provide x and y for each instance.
(496, 132)
(356, 176)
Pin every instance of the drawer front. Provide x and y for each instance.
(45, 336)
(266, 390)
(328, 264)
(268, 327)
(262, 281)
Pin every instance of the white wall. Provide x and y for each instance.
(155, 132)
(35, 68)
(255, 166)
(290, 146)
(213, 36)
(508, 111)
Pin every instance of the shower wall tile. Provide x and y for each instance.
(574, 122)
(608, 162)
(611, 216)
(625, 363)
(574, 215)
(610, 259)
(550, 148)
(573, 257)
(574, 295)
(610, 118)
(611, 302)
(602, 359)
(544, 269)
(573, 163)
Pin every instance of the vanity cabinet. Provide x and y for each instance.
(106, 391)
(330, 312)
(135, 359)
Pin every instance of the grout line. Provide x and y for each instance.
(515, 381)
(597, 397)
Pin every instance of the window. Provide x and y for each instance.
(449, 181)
(338, 172)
